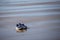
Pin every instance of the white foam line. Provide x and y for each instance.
(28, 8)
(26, 1)
(29, 15)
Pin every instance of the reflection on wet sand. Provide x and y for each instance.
(20, 30)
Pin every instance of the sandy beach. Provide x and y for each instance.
(41, 17)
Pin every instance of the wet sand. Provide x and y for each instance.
(40, 28)
(41, 17)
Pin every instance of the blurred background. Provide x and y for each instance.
(41, 16)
